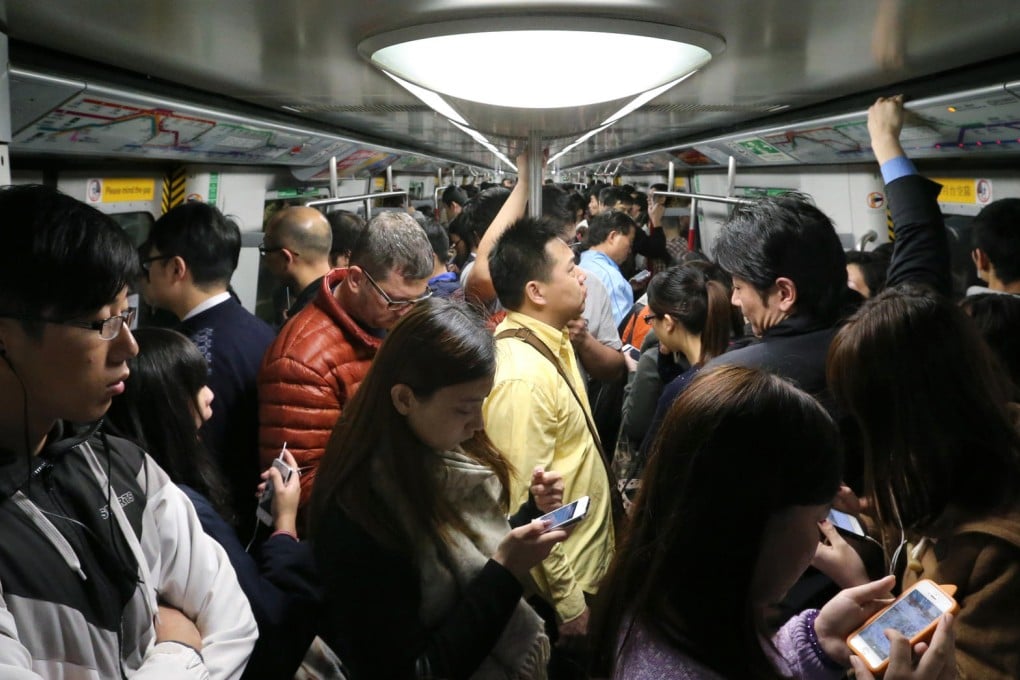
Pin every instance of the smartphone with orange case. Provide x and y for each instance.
(914, 614)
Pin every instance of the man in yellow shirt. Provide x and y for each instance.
(534, 417)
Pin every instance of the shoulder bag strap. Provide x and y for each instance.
(528, 336)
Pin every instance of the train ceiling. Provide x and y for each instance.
(241, 72)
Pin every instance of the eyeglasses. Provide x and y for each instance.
(392, 304)
(108, 328)
(147, 262)
(649, 318)
(263, 250)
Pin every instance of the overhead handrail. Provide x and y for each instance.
(706, 197)
(367, 198)
(692, 228)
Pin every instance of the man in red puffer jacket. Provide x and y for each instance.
(321, 355)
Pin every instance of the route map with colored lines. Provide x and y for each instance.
(981, 124)
(90, 125)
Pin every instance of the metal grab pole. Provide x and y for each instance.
(435, 194)
(711, 198)
(731, 176)
(389, 178)
(353, 199)
(367, 198)
(692, 228)
(534, 171)
(671, 177)
(333, 184)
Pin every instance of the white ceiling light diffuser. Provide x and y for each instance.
(450, 58)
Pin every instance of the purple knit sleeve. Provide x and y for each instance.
(803, 657)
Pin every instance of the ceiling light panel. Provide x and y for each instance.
(640, 56)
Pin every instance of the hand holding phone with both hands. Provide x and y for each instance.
(908, 624)
(852, 607)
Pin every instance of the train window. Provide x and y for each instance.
(958, 229)
(136, 224)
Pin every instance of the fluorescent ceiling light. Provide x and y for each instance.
(444, 58)
(643, 99)
(431, 99)
(483, 140)
(580, 140)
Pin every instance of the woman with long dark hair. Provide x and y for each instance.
(166, 399)
(938, 435)
(409, 516)
(743, 471)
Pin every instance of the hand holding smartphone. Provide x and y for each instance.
(569, 514)
(631, 351)
(527, 545)
(915, 615)
(264, 511)
(846, 523)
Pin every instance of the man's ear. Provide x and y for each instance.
(178, 268)
(403, 398)
(534, 292)
(980, 259)
(787, 291)
(355, 278)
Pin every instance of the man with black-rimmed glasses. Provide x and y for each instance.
(321, 355)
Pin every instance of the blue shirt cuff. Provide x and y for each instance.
(894, 168)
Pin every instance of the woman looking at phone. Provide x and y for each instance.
(165, 402)
(745, 467)
(409, 516)
(941, 457)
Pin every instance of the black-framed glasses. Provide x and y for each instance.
(264, 250)
(649, 318)
(108, 328)
(392, 304)
(146, 262)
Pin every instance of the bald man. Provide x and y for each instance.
(295, 250)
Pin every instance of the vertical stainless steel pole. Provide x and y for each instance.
(534, 171)
(333, 184)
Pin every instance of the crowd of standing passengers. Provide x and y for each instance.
(358, 491)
